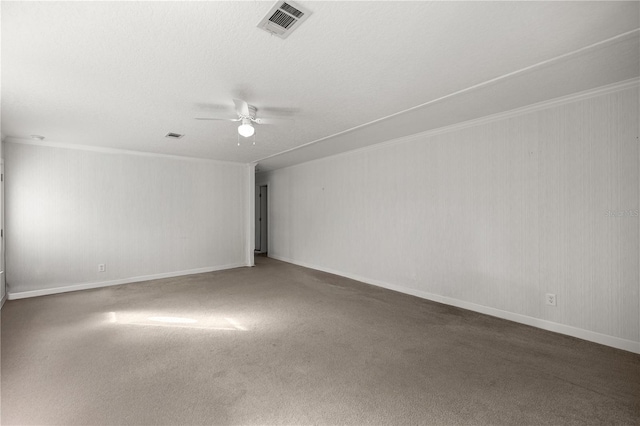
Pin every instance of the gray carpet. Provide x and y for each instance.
(281, 344)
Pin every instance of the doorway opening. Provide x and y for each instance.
(262, 244)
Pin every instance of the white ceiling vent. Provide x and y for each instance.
(283, 18)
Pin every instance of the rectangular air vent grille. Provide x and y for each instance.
(283, 18)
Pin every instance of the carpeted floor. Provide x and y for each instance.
(281, 344)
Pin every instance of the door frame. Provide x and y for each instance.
(259, 226)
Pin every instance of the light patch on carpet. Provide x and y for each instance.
(173, 320)
(154, 320)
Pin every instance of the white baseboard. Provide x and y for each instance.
(86, 286)
(592, 336)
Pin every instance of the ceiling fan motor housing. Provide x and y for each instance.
(252, 112)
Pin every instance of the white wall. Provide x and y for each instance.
(488, 217)
(143, 216)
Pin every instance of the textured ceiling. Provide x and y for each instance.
(123, 74)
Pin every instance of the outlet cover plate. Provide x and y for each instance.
(550, 299)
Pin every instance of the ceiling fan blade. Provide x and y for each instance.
(218, 119)
(272, 120)
(242, 107)
(280, 111)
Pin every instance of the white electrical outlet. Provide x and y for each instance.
(102, 267)
(550, 298)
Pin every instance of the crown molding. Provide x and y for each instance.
(105, 150)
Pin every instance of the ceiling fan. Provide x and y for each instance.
(246, 116)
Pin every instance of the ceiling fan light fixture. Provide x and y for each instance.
(246, 128)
